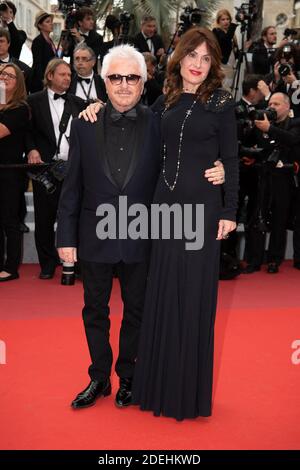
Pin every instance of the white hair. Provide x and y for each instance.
(124, 51)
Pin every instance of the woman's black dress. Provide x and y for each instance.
(174, 369)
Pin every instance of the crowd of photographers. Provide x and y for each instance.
(267, 120)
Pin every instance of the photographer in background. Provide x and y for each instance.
(84, 32)
(52, 111)
(287, 73)
(6, 57)
(224, 31)
(281, 141)
(147, 40)
(264, 51)
(7, 17)
(85, 82)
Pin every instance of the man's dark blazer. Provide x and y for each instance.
(141, 44)
(260, 61)
(99, 84)
(89, 183)
(41, 135)
(27, 71)
(17, 39)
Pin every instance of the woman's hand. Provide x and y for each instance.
(216, 175)
(89, 114)
(225, 227)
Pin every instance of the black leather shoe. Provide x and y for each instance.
(297, 264)
(23, 228)
(251, 268)
(44, 275)
(10, 277)
(272, 268)
(89, 395)
(124, 395)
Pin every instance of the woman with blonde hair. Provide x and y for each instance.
(14, 121)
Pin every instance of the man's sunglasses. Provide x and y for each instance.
(116, 79)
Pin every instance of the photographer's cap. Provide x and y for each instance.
(41, 16)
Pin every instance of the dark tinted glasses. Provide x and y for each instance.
(116, 79)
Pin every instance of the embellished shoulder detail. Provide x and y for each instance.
(219, 101)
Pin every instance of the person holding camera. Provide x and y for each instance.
(48, 140)
(264, 51)
(14, 120)
(84, 32)
(85, 82)
(18, 37)
(147, 40)
(287, 73)
(281, 139)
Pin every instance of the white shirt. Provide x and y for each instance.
(86, 86)
(150, 43)
(56, 109)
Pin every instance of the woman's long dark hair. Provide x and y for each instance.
(193, 38)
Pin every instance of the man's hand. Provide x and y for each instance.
(248, 161)
(68, 255)
(290, 78)
(160, 51)
(90, 113)
(34, 157)
(216, 175)
(264, 125)
(225, 227)
(76, 34)
(264, 88)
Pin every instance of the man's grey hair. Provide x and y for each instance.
(124, 52)
(286, 99)
(84, 47)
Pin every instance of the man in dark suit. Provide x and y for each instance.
(6, 57)
(84, 32)
(147, 40)
(117, 156)
(18, 37)
(85, 82)
(47, 141)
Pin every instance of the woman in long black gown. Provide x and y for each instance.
(174, 369)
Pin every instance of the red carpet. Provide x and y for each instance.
(256, 396)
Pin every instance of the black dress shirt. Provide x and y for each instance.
(120, 140)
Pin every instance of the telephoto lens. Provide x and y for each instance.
(68, 274)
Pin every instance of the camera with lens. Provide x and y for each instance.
(259, 114)
(48, 178)
(284, 70)
(124, 18)
(246, 12)
(69, 9)
(3, 7)
(190, 17)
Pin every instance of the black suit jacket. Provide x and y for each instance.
(260, 60)
(27, 71)
(42, 53)
(89, 183)
(141, 44)
(41, 135)
(99, 84)
(17, 39)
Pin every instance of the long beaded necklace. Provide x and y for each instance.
(169, 185)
